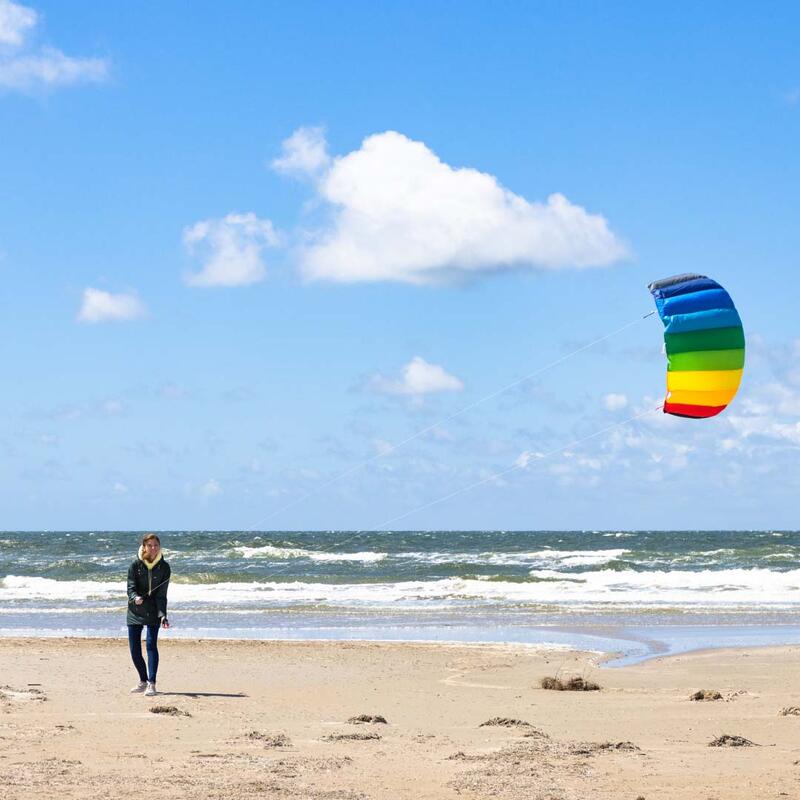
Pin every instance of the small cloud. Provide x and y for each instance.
(382, 447)
(418, 378)
(112, 407)
(305, 152)
(171, 391)
(100, 306)
(15, 22)
(615, 402)
(24, 68)
(120, 488)
(211, 488)
(230, 249)
(791, 97)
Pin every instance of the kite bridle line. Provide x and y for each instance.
(393, 448)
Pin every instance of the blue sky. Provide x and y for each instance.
(245, 248)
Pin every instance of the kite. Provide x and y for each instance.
(704, 343)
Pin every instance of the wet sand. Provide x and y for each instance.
(270, 719)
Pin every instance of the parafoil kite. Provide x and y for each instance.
(704, 342)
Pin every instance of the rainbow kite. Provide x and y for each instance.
(704, 342)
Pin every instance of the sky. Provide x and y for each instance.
(286, 266)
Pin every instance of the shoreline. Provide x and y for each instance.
(618, 645)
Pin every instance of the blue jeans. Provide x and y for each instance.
(135, 642)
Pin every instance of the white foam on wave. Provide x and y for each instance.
(567, 558)
(271, 551)
(751, 588)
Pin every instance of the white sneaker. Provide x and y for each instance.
(150, 691)
(139, 688)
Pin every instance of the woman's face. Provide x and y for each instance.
(151, 549)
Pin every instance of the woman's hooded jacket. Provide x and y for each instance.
(149, 580)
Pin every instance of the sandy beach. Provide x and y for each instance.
(270, 719)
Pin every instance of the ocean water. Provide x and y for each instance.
(632, 593)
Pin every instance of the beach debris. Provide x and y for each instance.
(374, 719)
(588, 748)
(359, 736)
(9, 694)
(170, 711)
(726, 740)
(706, 694)
(505, 722)
(269, 739)
(733, 695)
(576, 684)
(790, 711)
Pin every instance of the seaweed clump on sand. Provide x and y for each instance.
(576, 684)
(790, 711)
(352, 737)
(706, 694)
(505, 722)
(726, 740)
(170, 711)
(269, 739)
(363, 719)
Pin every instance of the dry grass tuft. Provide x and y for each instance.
(355, 737)
(706, 694)
(576, 684)
(374, 719)
(726, 740)
(170, 711)
(505, 722)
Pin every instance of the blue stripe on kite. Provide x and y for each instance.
(702, 320)
(696, 301)
(695, 285)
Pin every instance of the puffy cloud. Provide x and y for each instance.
(100, 306)
(399, 213)
(15, 21)
(211, 488)
(230, 248)
(418, 378)
(305, 152)
(24, 68)
(615, 402)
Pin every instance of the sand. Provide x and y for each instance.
(270, 719)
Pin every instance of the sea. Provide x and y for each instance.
(630, 595)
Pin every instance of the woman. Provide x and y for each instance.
(148, 580)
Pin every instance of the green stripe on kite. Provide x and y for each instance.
(712, 339)
(705, 360)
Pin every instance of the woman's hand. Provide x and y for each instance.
(164, 622)
(138, 600)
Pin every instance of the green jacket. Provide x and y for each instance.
(152, 585)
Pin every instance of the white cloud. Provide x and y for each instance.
(100, 306)
(382, 447)
(15, 21)
(120, 488)
(23, 67)
(305, 152)
(112, 407)
(399, 213)
(230, 248)
(615, 402)
(418, 378)
(211, 488)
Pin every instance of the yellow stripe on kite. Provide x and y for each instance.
(706, 381)
(718, 398)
